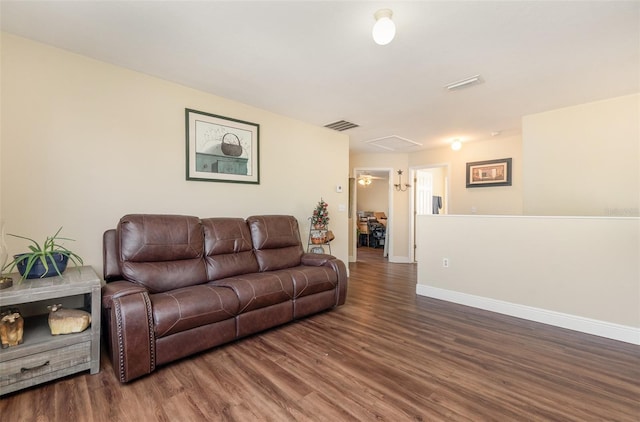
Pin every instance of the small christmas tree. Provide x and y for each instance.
(320, 217)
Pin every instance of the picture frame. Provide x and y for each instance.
(489, 173)
(221, 149)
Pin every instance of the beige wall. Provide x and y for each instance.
(576, 272)
(583, 160)
(84, 142)
(374, 197)
(499, 200)
(558, 270)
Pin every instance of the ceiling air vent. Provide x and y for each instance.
(341, 125)
(473, 80)
(394, 143)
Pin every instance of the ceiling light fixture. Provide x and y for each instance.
(398, 186)
(463, 83)
(456, 145)
(384, 29)
(365, 181)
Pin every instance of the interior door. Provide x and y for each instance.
(424, 192)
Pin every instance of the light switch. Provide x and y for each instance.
(339, 188)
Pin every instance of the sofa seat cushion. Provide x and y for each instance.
(311, 280)
(189, 307)
(259, 290)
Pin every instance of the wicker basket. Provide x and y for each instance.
(318, 240)
(230, 148)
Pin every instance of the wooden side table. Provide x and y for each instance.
(43, 357)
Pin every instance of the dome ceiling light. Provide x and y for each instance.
(384, 29)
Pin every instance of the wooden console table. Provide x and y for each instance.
(43, 357)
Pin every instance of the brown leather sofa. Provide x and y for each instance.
(178, 285)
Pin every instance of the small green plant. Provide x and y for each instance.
(50, 248)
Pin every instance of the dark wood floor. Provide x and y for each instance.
(386, 355)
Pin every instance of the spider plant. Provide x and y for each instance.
(45, 254)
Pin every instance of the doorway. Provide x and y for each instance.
(372, 199)
(430, 196)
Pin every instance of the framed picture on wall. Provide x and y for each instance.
(489, 173)
(221, 149)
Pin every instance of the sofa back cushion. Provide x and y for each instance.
(227, 248)
(276, 241)
(161, 252)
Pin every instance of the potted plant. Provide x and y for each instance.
(320, 217)
(43, 261)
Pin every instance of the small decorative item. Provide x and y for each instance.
(67, 321)
(231, 145)
(318, 237)
(330, 236)
(45, 261)
(320, 217)
(5, 282)
(489, 173)
(11, 328)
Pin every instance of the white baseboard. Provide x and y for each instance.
(558, 319)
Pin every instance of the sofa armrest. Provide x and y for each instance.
(118, 289)
(318, 260)
(129, 321)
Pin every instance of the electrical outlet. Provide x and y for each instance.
(445, 262)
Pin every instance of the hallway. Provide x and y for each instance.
(371, 255)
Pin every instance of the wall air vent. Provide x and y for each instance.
(341, 125)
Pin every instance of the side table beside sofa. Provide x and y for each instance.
(42, 356)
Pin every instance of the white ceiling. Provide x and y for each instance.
(316, 61)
